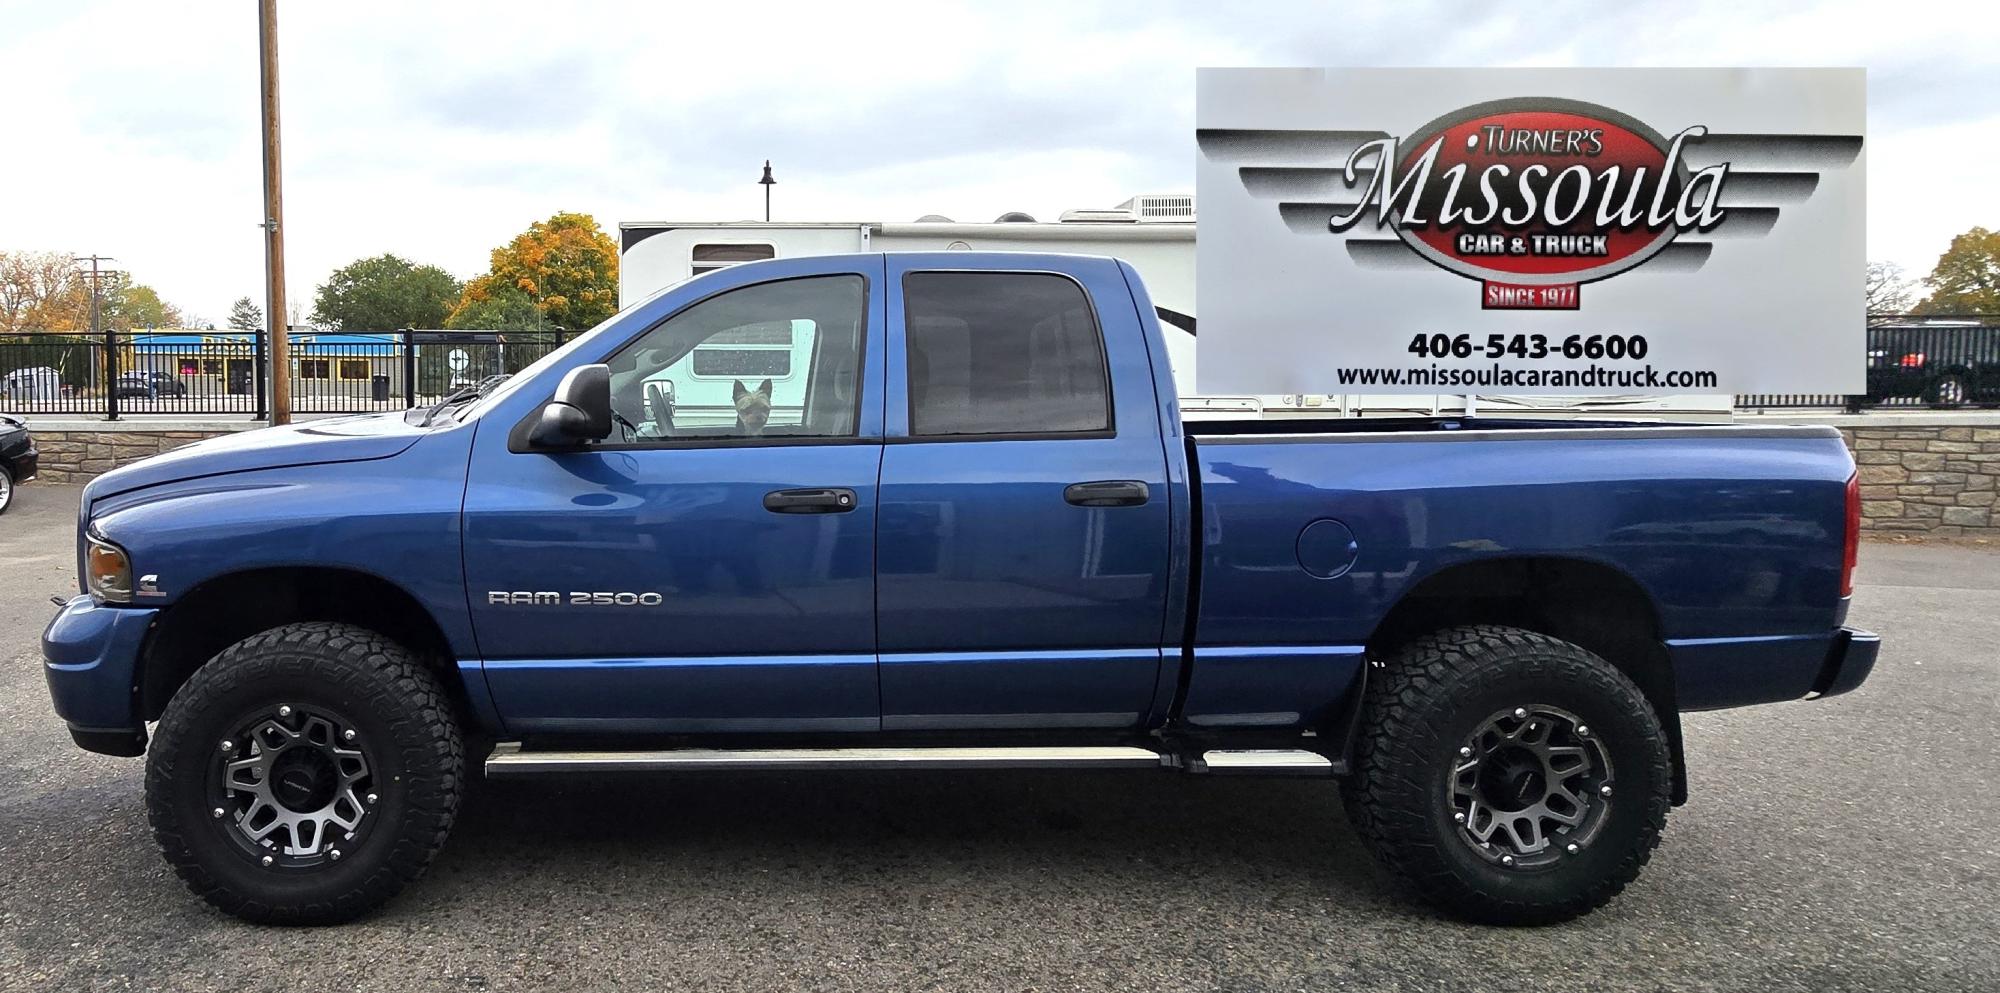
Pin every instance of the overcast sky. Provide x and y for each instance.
(436, 131)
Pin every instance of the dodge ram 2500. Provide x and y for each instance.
(952, 518)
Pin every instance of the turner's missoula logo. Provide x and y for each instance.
(1533, 197)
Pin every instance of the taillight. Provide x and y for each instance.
(1851, 551)
(1914, 360)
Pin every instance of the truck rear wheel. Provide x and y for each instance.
(305, 775)
(1511, 777)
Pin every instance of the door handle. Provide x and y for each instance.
(813, 500)
(1107, 493)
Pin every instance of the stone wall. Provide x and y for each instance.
(1940, 480)
(76, 456)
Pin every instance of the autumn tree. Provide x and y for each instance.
(566, 266)
(42, 291)
(1966, 279)
(245, 315)
(385, 293)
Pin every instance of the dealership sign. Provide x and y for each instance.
(1584, 231)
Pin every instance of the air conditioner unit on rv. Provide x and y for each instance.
(1161, 206)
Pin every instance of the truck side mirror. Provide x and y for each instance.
(580, 411)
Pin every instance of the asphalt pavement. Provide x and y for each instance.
(1848, 844)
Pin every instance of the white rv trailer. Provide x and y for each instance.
(1154, 232)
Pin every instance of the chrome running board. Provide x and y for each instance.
(1267, 762)
(509, 760)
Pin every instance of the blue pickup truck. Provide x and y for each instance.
(977, 533)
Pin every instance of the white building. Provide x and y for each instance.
(1155, 232)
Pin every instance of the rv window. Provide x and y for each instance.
(708, 258)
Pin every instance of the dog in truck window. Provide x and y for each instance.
(753, 407)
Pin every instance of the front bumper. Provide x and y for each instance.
(90, 654)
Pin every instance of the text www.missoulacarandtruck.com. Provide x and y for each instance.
(1497, 376)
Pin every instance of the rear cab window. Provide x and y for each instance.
(1003, 354)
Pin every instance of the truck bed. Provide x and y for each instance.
(1313, 533)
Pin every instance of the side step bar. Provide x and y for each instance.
(1267, 762)
(508, 759)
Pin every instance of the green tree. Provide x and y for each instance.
(385, 293)
(140, 306)
(502, 309)
(245, 315)
(1966, 279)
(566, 265)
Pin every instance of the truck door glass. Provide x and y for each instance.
(1003, 353)
(779, 359)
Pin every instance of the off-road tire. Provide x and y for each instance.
(1432, 692)
(393, 700)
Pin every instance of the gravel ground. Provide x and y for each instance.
(1847, 844)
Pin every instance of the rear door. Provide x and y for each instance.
(1023, 539)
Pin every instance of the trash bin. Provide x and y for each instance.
(379, 388)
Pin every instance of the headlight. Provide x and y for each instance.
(106, 570)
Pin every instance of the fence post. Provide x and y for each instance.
(409, 368)
(257, 371)
(110, 371)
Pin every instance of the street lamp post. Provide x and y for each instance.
(767, 182)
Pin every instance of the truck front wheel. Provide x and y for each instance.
(305, 775)
(1511, 777)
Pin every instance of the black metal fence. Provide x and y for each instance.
(1914, 362)
(226, 372)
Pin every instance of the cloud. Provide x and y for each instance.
(438, 131)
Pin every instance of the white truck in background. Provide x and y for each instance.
(1154, 232)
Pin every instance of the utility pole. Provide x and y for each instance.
(97, 275)
(274, 213)
(767, 182)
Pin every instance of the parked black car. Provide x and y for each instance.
(147, 385)
(1943, 364)
(18, 457)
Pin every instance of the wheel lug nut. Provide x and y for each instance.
(334, 854)
(1506, 860)
(1465, 751)
(371, 798)
(228, 746)
(219, 811)
(1583, 730)
(1604, 790)
(347, 735)
(266, 860)
(1520, 712)
(1573, 849)
(1459, 817)
(284, 710)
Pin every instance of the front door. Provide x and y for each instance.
(1023, 545)
(702, 571)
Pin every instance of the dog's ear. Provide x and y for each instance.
(736, 390)
(765, 388)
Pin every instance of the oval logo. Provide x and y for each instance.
(1534, 192)
(1576, 192)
